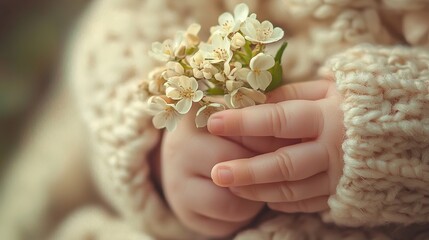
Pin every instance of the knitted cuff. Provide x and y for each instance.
(386, 151)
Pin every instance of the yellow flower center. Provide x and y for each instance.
(264, 33)
(187, 93)
(220, 53)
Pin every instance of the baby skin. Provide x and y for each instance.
(285, 154)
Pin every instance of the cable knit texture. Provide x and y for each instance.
(386, 116)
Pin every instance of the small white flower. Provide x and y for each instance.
(205, 111)
(244, 97)
(184, 89)
(257, 32)
(258, 77)
(165, 115)
(169, 49)
(229, 23)
(218, 51)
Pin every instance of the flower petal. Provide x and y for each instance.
(278, 34)
(201, 117)
(198, 96)
(193, 83)
(252, 79)
(257, 96)
(262, 62)
(184, 105)
(232, 85)
(156, 104)
(264, 79)
(242, 74)
(171, 123)
(267, 25)
(241, 12)
(245, 101)
(194, 29)
(226, 19)
(185, 82)
(249, 27)
(172, 93)
(159, 121)
(228, 100)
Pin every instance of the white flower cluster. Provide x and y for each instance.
(232, 64)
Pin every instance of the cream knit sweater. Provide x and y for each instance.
(376, 51)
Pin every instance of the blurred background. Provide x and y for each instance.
(33, 34)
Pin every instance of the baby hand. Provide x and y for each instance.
(294, 178)
(187, 157)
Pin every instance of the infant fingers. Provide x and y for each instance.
(309, 90)
(263, 144)
(289, 119)
(316, 204)
(289, 163)
(286, 191)
(218, 203)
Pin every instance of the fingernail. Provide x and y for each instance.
(216, 125)
(225, 176)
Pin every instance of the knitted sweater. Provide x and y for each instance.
(376, 51)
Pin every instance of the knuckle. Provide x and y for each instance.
(285, 164)
(278, 118)
(241, 121)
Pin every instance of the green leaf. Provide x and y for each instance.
(279, 54)
(215, 91)
(277, 71)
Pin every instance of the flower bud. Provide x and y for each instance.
(237, 41)
(220, 77)
(180, 51)
(197, 73)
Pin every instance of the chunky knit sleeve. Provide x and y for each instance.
(108, 60)
(385, 94)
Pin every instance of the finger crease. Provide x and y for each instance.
(251, 174)
(287, 192)
(279, 121)
(285, 164)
